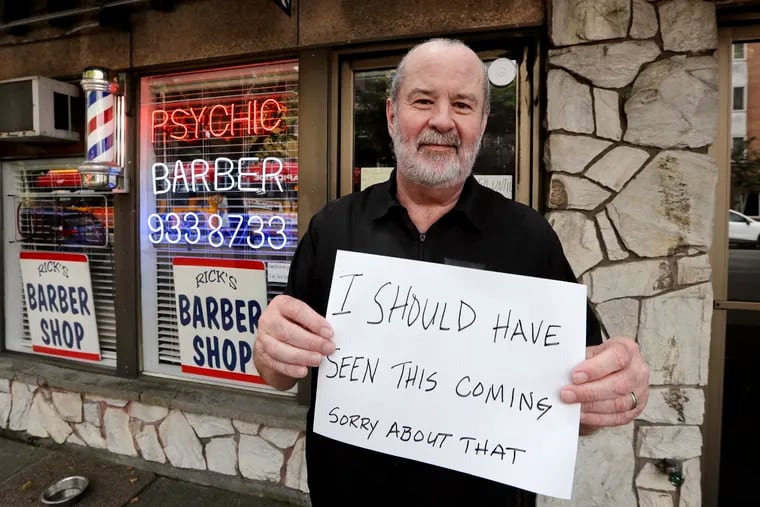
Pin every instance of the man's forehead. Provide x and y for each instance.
(432, 77)
(439, 52)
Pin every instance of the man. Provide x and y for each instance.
(431, 209)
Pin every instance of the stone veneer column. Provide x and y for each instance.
(632, 108)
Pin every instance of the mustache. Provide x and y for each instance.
(433, 137)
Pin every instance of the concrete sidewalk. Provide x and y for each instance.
(26, 470)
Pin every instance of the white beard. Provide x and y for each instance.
(434, 168)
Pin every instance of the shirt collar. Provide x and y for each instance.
(470, 204)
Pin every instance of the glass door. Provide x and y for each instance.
(731, 435)
(506, 157)
(742, 303)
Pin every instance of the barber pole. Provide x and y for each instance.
(104, 166)
(99, 121)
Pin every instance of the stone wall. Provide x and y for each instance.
(273, 456)
(632, 104)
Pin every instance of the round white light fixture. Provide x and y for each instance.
(502, 71)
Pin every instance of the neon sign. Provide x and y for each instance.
(211, 225)
(218, 120)
(217, 231)
(221, 176)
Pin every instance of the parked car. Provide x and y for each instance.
(743, 230)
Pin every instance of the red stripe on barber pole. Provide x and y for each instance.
(97, 121)
(227, 375)
(66, 353)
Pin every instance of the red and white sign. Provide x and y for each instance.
(60, 304)
(219, 302)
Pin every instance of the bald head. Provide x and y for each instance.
(438, 48)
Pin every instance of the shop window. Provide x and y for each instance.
(218, 215)
(46, 215)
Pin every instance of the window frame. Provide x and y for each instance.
(150, 366)
(718, 253)
(101, 259)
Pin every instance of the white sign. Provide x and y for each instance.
(219, 302)
(277, 272)
(454, 367)
(60, 304)
(501, 183)
(371, 175)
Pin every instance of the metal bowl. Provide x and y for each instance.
(65, 492)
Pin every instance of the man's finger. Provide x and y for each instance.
(619, 404)
(283, 352)
(290, 370)
(608, 388)
(302, 338)
(606, 420)
(605, 359)
(302, 314)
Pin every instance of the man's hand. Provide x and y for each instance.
(603, 384)
(291, 338)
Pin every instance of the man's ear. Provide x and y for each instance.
(389, 115)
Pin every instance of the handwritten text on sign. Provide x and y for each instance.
(455, 367)
(60, 304)
(219, 302)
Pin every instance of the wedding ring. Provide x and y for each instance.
(635, 400)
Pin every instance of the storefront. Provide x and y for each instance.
(240, 121)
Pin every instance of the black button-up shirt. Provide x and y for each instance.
(484, 230)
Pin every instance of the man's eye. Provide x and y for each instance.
(463, 106)
(423, 102)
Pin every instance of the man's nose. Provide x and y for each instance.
(442, 118)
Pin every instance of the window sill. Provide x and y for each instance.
(245, 406)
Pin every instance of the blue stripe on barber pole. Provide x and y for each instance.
(101, 147)
(94, 96)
